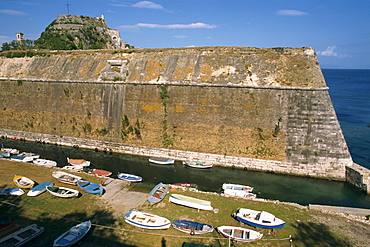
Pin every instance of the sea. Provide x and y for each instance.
(349, 91)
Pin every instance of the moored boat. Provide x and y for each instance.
(45, 162)
(78, 162)
(90, 187)
(39, 189)
(146, 220)
(11, 192)
(23, 182)
(197, 164)
(74, 168)
(192, 227)
(190, 202)
(256, 218)
(65, 177)
(158, 193)
(161, 161)
(62, 191)
(239, 234)
(238, 190)
(190, 186)
(73, 235)
(100, 173)
(129, 177)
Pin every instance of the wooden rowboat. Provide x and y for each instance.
(146, 220)
(161, 161)
(62, 191)
(192, 227)
(73, 235)
(90, 187)
(190, 202)
(239, 234)
(39, 189)
(65, 177)
(158, 193)
(23, 182)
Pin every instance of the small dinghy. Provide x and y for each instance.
(25, 157)
(129, 177)
(90, 187)
(11, 192)
(65, 177)
(190, 202)
(146, 220)
(239, 234)
(197, 164)
(73, 235)
(45, 162)
(192, 227)
(62, 191)
(158, 193)
(256, 218)
(161, 161)
(78, 162)
(39, 189)
(100, 173)
(23, 182)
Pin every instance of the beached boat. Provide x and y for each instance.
(11, 192)
(129, 177)
(23, 182)
(158, 193)
(73, 235)
(146, 220)
(190, 202)
(62, 191)
(39, 189)
(161, 161)
(189, 186)
(90, 187)
(45, 162)
(65, 177)
(256, 218)
(78, 162)
(100, 173)
(74, 168)
(197, 164)
(192, 227)
(12, 151)
(4, 154)
(239, 234)
(22, 236)
(25, 157)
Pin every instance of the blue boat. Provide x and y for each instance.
(90, 187)
(192, 227)
(73, 235)
(39, 189)
(11, 192)
(129, 177)
(158, 193)
(260, 219)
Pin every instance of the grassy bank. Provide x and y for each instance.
(57, 215)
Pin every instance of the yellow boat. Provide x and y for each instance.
(23, 182)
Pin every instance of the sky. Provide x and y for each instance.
(338, 30)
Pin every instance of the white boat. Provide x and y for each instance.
(62, 191)
(45, 162)
(239, 234)
(65, 177)
(23, 182)
(190, 202)
(146, 220)
(22, 236)
(256, 218)
(161, 161)
(238, 190)
(12, 151)
(78, 162)
(39, 189)
(197, 164)
(73, 235)
(129, 177)
(25, 157)
(73, 168)
(11, 192)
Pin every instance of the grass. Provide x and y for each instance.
(57, 215)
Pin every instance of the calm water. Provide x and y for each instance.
(352, 99)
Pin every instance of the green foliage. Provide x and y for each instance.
(55, 41)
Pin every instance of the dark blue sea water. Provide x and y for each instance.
(350, 93)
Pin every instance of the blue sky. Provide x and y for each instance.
(338, 30)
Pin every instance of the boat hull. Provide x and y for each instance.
(259, 219)
(90, 187)
(62, 192)
(197, 164)
(39, 189)
(129, 177)
(161, 161)
(147, 220)
(73, 235)
(65, 177)
(11, 192)
(239, 234)
(158, 193)
(23, 182)
(190, 202)
(192, 227)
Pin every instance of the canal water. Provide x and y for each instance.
(284, 188)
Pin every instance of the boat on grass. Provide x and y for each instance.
(260, 219)
(190, 202)
(239, 234)
(78, 162)
(39, 189)
(62, 191)
(129, 177)
(73, 235)
(23, 182)
(158, 193)
(146, 220)
(25, 157)
(100, 173)
(65, 177)
(22, 236)
(11, 192)
(90, 187)
(12, 151)
(161, 161)
(192, 227)
(197, 164)
(4, 154)
(45, 162)
(73, 168)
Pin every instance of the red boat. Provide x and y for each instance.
(100, 173)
